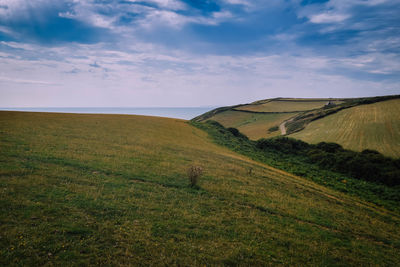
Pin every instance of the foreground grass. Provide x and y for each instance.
(374, 126)
(112, 190)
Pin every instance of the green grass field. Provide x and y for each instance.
(113, 190)
(284, 106)
(265, 114)
(374, 126)
(254, 125)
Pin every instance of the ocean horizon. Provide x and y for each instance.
(185, 113)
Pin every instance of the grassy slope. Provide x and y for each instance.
(109, 189)
(254, 125)
(374, 126)
(283, 158)
(285, 106)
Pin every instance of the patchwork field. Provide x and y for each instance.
(285, 106)
(254, 125)
(374, 126)
(256, 119)
(113, 190)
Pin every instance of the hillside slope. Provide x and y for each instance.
(264, 118)
(316, 120)
(254, 125)
(374, 126)
(112, 190)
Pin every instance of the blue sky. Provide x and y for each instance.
(99, 53)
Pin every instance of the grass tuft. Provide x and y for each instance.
(194, 174)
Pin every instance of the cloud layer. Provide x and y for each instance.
(195, 53)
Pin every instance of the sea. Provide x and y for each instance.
(185, 113)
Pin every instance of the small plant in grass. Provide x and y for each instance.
(250, 171)
(194, 173)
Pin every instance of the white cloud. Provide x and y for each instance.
(336, 11)
(166, 14)
(16, 80)
(377, 63)
(11, 8)
(153, 76)
(170, 18)
(164, 17)
(328, 18)
(169, 4)
(285, 37)
(343, 4)
(222, 15)
(6, 30)
(132, 73)
(238, 2)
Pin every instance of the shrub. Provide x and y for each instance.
(194, 173)
(282, 144)
(370, 151)
(236, 133)
(295, 126)
(215, 123)
(273, 129)
(330, 147)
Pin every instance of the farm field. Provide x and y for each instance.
(254, 125)
(113, 190)
(285, 106)
(374, 126)
(255, 119)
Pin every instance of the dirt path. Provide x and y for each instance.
(282, 126)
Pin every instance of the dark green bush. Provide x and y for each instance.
(215, 123)
(273, 129)
(329, 147)
(368, 165)
(236, 133)
(282, 144)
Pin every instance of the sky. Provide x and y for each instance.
(182, 53)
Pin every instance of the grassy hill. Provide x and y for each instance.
(355, 123)
(261, 119)
(254, 125)
(287, 105)
(113, 190)
(374, 126)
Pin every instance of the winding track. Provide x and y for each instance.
(282, 126)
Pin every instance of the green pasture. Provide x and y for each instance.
(284, 106)
(113, 190)
(253, 125)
